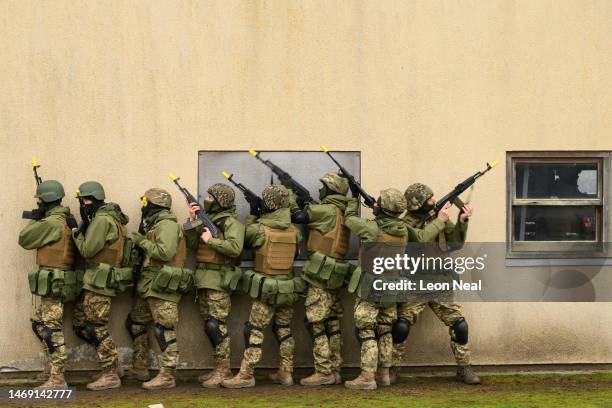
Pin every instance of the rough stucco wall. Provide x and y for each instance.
(122, 91)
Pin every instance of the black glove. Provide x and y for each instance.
(254, 205)
(71, 222)
(84, 217)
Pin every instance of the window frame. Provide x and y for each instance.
(559, 249)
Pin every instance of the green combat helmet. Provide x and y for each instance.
(275, 196)
(49, 191)
(158, 196)
(416, 195)
(392, 200)
(223, 194)
(92, 189)
(335, 183)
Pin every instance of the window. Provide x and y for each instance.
(556, 204)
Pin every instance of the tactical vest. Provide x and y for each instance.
(335, 243)
(178, 261)
(275, 256)
(59, 254)
(207, 254)
(112, 254)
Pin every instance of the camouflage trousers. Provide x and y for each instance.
(48, 327)
(260, 317)
(447, 312)
(164, 314)
(323, 314)
(217, 304)
(373, 323)
(93, 309)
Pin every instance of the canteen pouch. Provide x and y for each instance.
(231, 278)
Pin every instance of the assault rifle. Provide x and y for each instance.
(368, 200)
(37, 213)
(253, 199)
(453, 196)
(202, 217)
(302, 195)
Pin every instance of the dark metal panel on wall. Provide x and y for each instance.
(305, 166)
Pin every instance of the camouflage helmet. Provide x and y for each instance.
(391, 199)
(416, 195)
(223, 194)
(49, 191)
(335, 183)
(92, 189)
(159, 196)
(275, 196)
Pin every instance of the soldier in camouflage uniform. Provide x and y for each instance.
(274, 239)
(164, 252)
(373, 321)
(217, 260)
(49, 233)
(421, 200)
(102, 246)
(325, 272)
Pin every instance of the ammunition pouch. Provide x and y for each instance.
(353, 284)
(273, 290)
(106, 279)
(325, 271)
(218, 277)
(172, 279)
(61, 284)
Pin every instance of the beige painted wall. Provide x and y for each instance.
(120, 91)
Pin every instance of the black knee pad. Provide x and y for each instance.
(80, 333)
(132, 328)
(248, 329)
(47, 337)
(329, 329)
(160, 336)
(89, 330)
(212, 328)
(400, 330)
(36, 326)
(361, 338)
(459, 331)
(276, 330)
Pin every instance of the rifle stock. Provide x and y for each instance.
(202, 217)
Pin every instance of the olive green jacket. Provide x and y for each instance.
(453, 232)
(322, 217)
(369, 230)
(233, 234)
(102, 230)
(167, 235)
(45, 231)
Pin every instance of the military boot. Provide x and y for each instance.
(382, 377)
(105, 382)
(54, 381)
(337, 377)
(319, 379)
(466, 374)
(220, 373)
(393, 374)
(161, 381)
(240, 380)
(138, 373)
(281, 377)
(365, 381)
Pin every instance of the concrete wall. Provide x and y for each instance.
(121, 91)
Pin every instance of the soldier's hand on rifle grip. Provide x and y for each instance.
(206, 235)
(443, 213)
(193, 210)
(466, 213)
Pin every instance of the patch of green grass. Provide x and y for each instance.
(499, 391)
